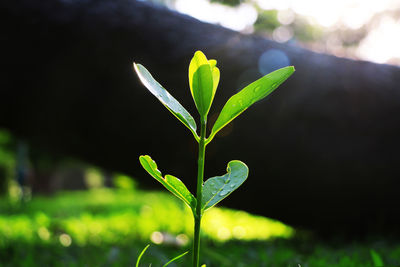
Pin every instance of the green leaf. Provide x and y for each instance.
(248, 96)
(215, 75)
(173, 184)
(203, 81)
(217, 188)
(141, 254)
(176, 258)
(166, 99)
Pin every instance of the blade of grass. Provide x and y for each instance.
(141, 254)
(176, 258)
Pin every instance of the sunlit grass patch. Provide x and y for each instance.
(106, 216)
(225, 224)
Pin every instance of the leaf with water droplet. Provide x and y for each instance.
(248, 96)
(173, 184)
(166, 99)
(217, 188)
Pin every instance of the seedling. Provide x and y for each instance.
(203, 81)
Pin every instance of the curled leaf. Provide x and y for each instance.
(173, 184)
(217, 188)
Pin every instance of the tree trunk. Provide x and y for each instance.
(322, 150)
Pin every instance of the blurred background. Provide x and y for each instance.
(322, 152)
(365, 30)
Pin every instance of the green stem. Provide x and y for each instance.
(199, 195)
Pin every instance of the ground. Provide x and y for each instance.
(109, 227)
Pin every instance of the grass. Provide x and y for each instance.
(107, 227)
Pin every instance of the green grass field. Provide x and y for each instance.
(109, 227)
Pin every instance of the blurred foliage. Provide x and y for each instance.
(266, 21)
(121, 216)
(228, 2)
(341, 36)
(7, 160)
(105, 227)
(94, 178)
(6, 151)
(124, 182)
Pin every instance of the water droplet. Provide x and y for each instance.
(240, 102)
(213, 192)
(223, 193)
(256, 89)
(232, 185)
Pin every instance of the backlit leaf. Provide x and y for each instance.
(203, 81)
(248, 96)
(217, 188)
(166, 98)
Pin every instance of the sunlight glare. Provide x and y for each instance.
(352, 13)
(382, 44)
(236, 18)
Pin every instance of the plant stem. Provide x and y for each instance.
(199, 195)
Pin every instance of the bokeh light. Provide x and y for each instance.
(271, 60)
(156, 237)
(65, 240)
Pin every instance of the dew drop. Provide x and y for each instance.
(223, 193)
(256, 89)
(240, 102)
(213, 192)
(232, 185)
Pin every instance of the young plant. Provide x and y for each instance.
(203, 81)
